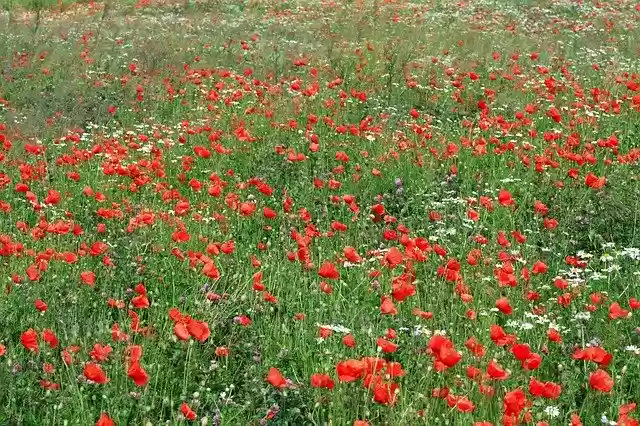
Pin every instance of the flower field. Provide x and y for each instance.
(365, 212)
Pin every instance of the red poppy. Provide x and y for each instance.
(503, 305)
(29, 340)
(222, 351)
(461, 403)
(247, 208)
(319, 380)
(616, 311)
(387, 306)
(269, 213)
(385, 393)
(539, 268)
(393, 258)
(386, 346)
(394, 369)
(329, 271)
(475, 347)
(40, 305)
(532, 362)
(352, 255)
(445, 354)
(105, 420)
(499, 336)
(88, 277)
(593, 181)
(601, 381)
(350, 370)
(276, 378)
(140, 301)
(548, 390)
(349, 340)
(198, 330)
(100, 353)
(575, 420)
(138, 374)
(94, 372)
(495, 371)
(595, 354)
(554, 335)
(514, 402)
(187, 412)
(504, 198)
(180, 330)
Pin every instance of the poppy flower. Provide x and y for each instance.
(532, 362)
(187, 412)
(386, 346)
(29, 340)
(257, 281)
(134, 353)
(276, 378)
(222, 351)
(514, 402)
(247, 208)
(402, 288)
(394, 369)
(387, 307)
(616, 311)
(243, 320)
(105, 420)
(548, 390)
(540, 208)
(319, 380)
(269, 213)
(503, 305)
(352, 255)
(496, 372)
(554, 335)
(350, 370)
(393, 258)
(88, 277)
(140, 301)
(445, 354)
(181, 332)
(198, 330)
(94, 373)
(325, 332)
(575, 420)
(349, 340)
(505, 199)
(325, 287)
(539, 268)
(461, 403)
(100, 353)
(601, 381)
(385, 393)
(329, 271)
(499, 337)
(138, 374)
(40, 305)
(475, 347)
(595, 354)
(593, 181)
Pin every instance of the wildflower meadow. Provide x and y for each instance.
(320, 212)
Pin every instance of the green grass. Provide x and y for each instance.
(209, 71)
